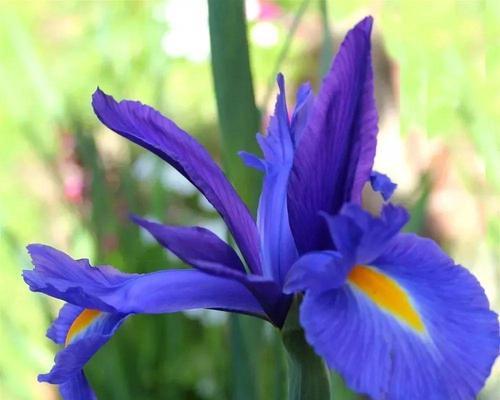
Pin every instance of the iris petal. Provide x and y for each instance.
(407, 323)
(58, 331)
(192, 244)
(148, 128)
(361, 236)
(70, 360)
(106, 289)
(318, 270)
(100, 298)
(300, 115)
(382, 183)
(277, 244)
(266, 290)
(77, 388)
(335, 154)
(380, 354)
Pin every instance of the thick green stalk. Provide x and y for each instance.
(239, 118)
(239, 121)
(308, 377)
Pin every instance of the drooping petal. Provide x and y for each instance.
(206, 252)
(106, 289)
(148, 128)
(410, 325)
(77, 388)
(266, 290)
(75, 384)
(382, 183)
(192, 244)
(334, 157)
(60, 276)
(94, 332)
(58, 331)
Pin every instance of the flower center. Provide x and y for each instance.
(387, 294)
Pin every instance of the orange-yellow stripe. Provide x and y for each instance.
(387, 294)
(81, 322)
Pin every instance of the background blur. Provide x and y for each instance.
(67, 182)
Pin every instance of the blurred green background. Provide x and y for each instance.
(68, 182)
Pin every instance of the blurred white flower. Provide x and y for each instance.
(264, 34)
(252, 9)
(207, 317)
(187, 35)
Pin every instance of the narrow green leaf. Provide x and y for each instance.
(284, 51)
(327, 47)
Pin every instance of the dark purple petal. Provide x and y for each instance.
(446, 353)
(266, 290)
(106, 289)
(147, 127)
(335, 154)
(382, 183)
(191, 244)
(300, 115)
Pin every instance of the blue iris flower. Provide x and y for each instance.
(389, 311)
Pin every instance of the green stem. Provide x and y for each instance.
(239, 118)
(327, 47)
(308, 377)
(239, 121)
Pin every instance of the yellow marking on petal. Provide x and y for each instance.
(81, 322)
(386, 293)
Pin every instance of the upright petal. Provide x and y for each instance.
(382, 183)
(411, 325)
(360, 236)
(148, 128)
(301, 112)
(106, 289)
(277, 243)
(335, 154)
(193, 244)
